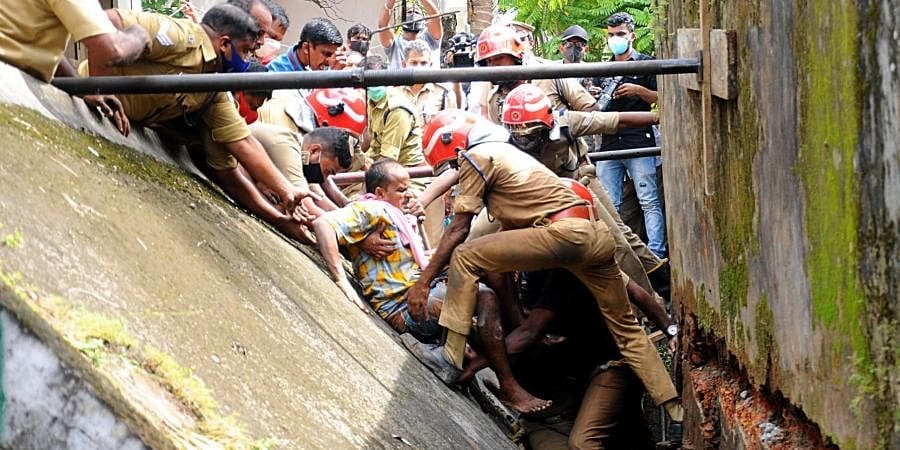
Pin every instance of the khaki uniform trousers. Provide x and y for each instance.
(583, 247)
(610, 415)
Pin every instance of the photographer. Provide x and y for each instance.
(632, 93)
(461, 53)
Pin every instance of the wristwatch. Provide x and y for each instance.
(672, 330)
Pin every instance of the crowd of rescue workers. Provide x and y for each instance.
(514, 256)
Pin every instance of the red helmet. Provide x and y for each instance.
(446, 134)
(498, 40)
(579, 189)
(527, 104)
(339, 107)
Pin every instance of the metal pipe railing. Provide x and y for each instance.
(624, 154)
(220, 82)
(346, 178)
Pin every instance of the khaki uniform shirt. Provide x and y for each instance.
(285, 149)
(430, 100)
(395, 130)
(566, 93)
(275, 112)
(182, 46)
(517, 190)
(563, 153)
(34, 33)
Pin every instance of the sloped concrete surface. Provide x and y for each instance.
(254, 317)
(46, 405)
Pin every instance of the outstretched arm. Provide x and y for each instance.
(435, 28)
(386, 37)
(637, 119)
(456, 234)
(328, 246)
(438, 187)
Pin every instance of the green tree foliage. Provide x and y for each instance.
(551, 17)
(167, 7)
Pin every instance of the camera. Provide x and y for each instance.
(604, 90)
(462, 45)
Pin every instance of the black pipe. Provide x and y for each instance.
(624, 154)
(220, 82)
(346, 178)
(408, 22)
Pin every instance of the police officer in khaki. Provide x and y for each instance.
(545, 225)
(218, 44)
(34, 36)
(429, 98)
(551, 137)
(498, 45)
(394, 128)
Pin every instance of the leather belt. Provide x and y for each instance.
(576, 212)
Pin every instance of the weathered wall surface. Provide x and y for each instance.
(150, 258)
(794, 260)
(44, 404)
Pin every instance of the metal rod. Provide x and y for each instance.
(343, 179)
(625, 154)
(408, 22)
(220, 82)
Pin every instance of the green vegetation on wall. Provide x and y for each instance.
(829, 133)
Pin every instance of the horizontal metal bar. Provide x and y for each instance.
(343, 179)
(216, 82)
(409, 22)
(625, 154)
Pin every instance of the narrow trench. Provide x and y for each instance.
(724, 409)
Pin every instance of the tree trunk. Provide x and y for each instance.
(481, 12)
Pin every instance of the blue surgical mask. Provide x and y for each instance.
(618, 45)
(235, 64)
(376, 93)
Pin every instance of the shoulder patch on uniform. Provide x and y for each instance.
(162, 35)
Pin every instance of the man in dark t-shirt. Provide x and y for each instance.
(634, 93)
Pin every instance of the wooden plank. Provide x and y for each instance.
(722, 60)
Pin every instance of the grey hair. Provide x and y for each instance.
(417, 45)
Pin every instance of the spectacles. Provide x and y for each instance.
(578, 44)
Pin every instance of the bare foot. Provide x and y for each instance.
(519, 399)
(472, 365)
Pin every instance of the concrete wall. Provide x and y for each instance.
(45, 405)
(794, 260)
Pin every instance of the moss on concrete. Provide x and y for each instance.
(733, 285)
(99, 338)
(829, 130)
(766, 360)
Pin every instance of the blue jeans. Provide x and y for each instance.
(427, 331)
(643, 172)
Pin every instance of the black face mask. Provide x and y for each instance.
(574, 54)
(313, 173)
(361, 47)
(508, 84)
(531, 143)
